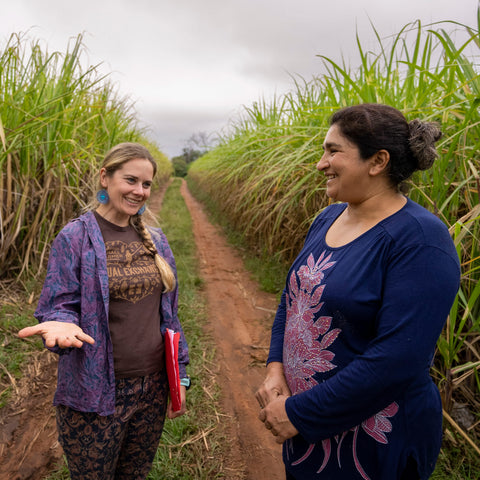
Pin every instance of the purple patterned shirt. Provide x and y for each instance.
(76, 290)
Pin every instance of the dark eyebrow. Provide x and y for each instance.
(330, 145)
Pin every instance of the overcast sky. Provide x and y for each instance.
(190, 65)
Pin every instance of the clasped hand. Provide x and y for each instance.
(271, 397)
(63, 334)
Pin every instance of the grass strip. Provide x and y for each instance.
(456, 461)
(268, 270)
(14, 353)
(192, 445)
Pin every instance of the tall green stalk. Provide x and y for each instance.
(262, 176)
(57, 120)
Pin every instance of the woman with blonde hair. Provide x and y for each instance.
(109, 295)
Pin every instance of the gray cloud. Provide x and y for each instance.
(190, 65)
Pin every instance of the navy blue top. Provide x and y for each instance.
(356, 331)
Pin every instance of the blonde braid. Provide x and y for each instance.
(166, 272)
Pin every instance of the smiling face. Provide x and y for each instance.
(348, 175)
(128, 189)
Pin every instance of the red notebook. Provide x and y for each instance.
(173, 373)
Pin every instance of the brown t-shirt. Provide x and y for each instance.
(135, 288)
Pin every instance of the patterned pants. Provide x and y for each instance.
(120, 446)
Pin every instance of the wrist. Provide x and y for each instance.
(275, 368)
(186, 382)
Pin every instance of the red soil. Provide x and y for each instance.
(240, 317)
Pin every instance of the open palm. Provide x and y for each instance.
(63, 334)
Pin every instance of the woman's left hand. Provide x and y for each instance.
(275, 418)
(183, 409)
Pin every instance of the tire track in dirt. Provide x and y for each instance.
(240, 318)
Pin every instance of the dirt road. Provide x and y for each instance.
(240, 317)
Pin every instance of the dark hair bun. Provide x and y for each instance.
(422, 138)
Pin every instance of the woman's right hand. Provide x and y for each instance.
(273, 386)
(63, 334)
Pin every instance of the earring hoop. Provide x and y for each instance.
(102, 196)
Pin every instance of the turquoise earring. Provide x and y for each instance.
(142, 210)
(102, 196)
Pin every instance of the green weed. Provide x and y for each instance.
(14, 352)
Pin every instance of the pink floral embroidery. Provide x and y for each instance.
(306, 340)
(311, 275)
(375, 426)
(305, 352)
(379, 424)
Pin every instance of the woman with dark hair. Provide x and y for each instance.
(348, 390)
(109, 295)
